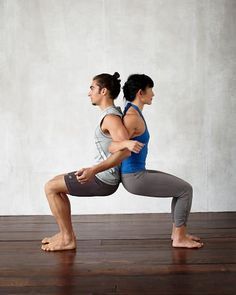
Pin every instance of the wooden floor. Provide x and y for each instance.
(119, 254)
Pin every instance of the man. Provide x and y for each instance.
(99, 180)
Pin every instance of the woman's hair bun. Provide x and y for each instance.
(116, 75)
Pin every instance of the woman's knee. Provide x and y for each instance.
(189, 188)
(185, 190)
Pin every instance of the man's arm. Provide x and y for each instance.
(135, 146)
(132, 145)
(112, 124)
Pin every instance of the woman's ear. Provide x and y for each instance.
(140, 92)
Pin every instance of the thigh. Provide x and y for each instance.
(154, 184)
(94, 187)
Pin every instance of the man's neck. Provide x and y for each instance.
(106, 104)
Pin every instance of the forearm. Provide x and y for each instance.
(116, 146)
(112, 161)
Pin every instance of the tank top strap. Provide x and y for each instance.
(129, 104)
(113, 110)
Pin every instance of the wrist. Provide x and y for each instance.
(95, 169)
(126, 144)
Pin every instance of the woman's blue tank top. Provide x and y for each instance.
(136, 162)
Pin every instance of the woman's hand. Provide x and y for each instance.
(85, 174)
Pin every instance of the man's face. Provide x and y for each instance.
(95, 93)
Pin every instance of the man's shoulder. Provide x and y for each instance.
(112, 119)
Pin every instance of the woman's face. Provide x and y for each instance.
(147, 96)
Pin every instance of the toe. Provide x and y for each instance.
(197, 245)
(195, 238)
(43, 247)
(45, 241)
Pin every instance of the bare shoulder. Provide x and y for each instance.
(113, 125)
(130, 123)
(112, 119)
(130, 119)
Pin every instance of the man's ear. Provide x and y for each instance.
(104, 91)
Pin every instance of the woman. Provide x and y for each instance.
(140, 181)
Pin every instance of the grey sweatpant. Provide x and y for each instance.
(153, 183)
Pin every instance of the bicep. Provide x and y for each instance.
(115, 127)
(129, 124)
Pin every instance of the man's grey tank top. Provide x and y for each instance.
(102, 141)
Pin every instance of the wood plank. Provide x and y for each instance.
(121, 254)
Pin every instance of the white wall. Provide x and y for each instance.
(50, 50)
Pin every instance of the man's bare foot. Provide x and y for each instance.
(51, 239)
(60, 245)
(186, 242)
(54, 238)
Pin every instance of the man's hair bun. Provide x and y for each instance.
(116, 75)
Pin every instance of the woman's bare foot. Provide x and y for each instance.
(186, 242)
(51, 239)
(60, 244)
(183, 231)
(191, 237)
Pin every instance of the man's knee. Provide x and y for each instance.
(47, 187)
(50, 186)
(55, 185)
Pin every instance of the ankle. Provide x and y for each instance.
(68, 237)
(180, 232)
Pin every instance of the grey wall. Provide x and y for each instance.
(50, 50)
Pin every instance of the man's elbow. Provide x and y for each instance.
(110, 150)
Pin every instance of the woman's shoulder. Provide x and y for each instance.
(130, 119)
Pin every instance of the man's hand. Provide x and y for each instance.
(85, 174)
(134, 146)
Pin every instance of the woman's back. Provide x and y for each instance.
(137, 128)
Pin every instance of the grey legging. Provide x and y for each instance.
(153, 183)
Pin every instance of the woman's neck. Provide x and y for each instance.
(138, 103)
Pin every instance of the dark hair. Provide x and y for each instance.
(134, 83)
(111, 82)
